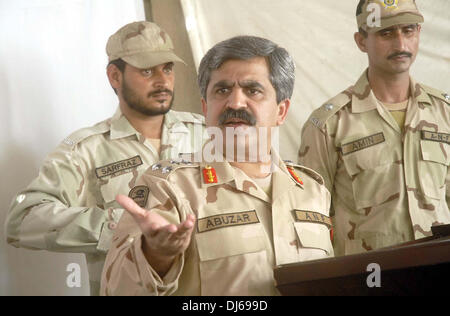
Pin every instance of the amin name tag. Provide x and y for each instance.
(362, 143)
(436, 137)
(226, 220)
(118, 166)
(314, 217)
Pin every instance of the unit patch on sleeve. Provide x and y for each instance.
(139, 195)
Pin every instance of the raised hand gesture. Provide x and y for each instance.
(163, 241)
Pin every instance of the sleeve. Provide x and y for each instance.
(318, 152)
(126, 270)
(52, 212)
(447, 185)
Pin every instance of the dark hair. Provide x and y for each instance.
(119, 63)
(362, 32)
(281, 64)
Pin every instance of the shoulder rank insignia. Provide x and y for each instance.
(446, 96)
(209, 175)
(294, 175)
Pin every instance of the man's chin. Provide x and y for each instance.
(152, 110)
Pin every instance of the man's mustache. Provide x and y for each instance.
(153, 93)
(397, 54)
(237, 114)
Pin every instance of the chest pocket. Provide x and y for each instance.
(434, 168)
(370, 162)
(230, 240)
(239, 253)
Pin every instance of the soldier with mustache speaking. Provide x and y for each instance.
(220, 224)
(383, 145)
(70, 206)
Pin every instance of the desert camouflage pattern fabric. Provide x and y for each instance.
(391, 12)
(388, 185)
(71, 207)
(240, 236)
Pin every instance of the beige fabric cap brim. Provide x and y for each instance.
(405, 18)
(151, 59)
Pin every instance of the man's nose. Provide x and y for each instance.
(399, 41)
(237, 99)
(161, 79)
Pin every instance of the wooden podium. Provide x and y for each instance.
(421, 267)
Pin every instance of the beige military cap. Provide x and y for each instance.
(141, 44)
(391, 12)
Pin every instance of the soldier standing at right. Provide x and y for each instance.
(383, 145)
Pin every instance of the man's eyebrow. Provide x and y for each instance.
(392, 28)
(388, 29)
(223, 84)
(251, 84)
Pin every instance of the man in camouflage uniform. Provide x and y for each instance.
(251, 217)
(70, 206)
(383, 145)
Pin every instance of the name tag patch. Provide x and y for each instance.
(226, 220)
(118, 166)
(436, 137)
(313, 217)
(362, 143)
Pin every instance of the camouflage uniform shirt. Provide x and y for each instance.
(240, 236)
(387, 185)
(70, 206)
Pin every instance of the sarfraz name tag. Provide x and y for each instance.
(118, 166)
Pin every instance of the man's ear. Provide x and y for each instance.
(114, 76)
(204, 107)
(360, 41)
(283, 108)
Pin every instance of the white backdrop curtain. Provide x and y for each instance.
(52, 82)
(319, 35)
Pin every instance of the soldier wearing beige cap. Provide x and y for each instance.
(220, 226)
(383, 145)
(70, 206)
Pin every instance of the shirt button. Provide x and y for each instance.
(112, 226)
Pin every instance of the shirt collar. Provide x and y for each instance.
(364, 100)
(121, 127)
(418, 93)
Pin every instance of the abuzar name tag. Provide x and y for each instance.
(227, 220)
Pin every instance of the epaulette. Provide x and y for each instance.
(321, 115)
(76, 137)
(164, 168)
(436, 93)
(189, 117)
(309, 172)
